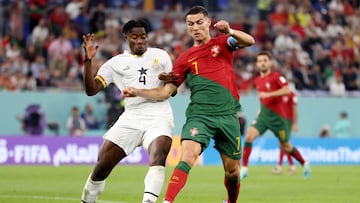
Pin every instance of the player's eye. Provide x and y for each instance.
(199, 22)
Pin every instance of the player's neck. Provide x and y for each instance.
(265, 73)
(201, 42)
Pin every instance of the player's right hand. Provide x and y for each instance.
(168, 77)
(89, 47)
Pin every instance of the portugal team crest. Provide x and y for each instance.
(194, 132)
(215, 50)
(267, 85)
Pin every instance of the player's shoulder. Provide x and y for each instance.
(275, 73)
(154, 50)
(125, 54)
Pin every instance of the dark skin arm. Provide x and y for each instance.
(92, 86)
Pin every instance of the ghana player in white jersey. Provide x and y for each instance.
(147, 123)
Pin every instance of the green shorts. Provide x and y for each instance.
(225, 130)
(275, 123)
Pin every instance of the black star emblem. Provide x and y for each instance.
(142, 71)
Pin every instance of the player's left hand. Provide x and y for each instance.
(222, 26)
(294, 127)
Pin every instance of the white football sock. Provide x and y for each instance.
(154, 181)
(92, 190)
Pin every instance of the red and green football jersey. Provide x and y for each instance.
(290, 101)
(209, 72)
(269, 83)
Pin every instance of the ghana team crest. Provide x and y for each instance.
(156, 65)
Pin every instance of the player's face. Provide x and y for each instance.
(263, 63)
(137, 40)
(198, 27)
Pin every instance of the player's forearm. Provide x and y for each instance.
(91, 85)
(158, 94)
(243, 38)
(283, 91)
(295, 112)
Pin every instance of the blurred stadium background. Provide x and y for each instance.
(315, 44)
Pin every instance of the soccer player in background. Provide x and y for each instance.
(145, 122)
(212, 112)
(290, 105)
(271, 87)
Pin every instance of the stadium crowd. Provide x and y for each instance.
(315, 43)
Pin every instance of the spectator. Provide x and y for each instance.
(72, 81)
(91, 121)
(38, 65)
(325, 131)
(43, 81)
(19, 80)
(58, 19)
(58, 54)
(40, 33)
(73, 8)
(97, 21)
(75, 123)
(82, 21)
(6, 82)
(30, 82)
(343, 126)
(337, 87)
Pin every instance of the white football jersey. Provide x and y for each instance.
(140, 72)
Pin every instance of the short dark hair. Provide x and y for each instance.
(195, 10)
(135, 23)
(264, 53)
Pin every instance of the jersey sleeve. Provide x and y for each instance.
(180, 70)
(281, 80)
(104, 74)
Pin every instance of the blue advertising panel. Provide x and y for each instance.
(318, 151)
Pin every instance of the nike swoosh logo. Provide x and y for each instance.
(190, 60)
(236, 153)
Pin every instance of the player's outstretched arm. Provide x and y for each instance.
(158, 94)
(280, 92)
(243, 39)
(169, 77)
(92, 86)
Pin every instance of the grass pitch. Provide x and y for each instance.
(44, 184)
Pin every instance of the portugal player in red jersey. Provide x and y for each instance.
(271, 87)
(290, 105)
(212, 113)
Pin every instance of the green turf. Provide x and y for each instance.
(40, 184)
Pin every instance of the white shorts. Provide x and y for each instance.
(132, 131)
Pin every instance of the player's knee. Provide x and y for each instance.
(251, 134)
(286, 146)
(233, 173)
(158, 157)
